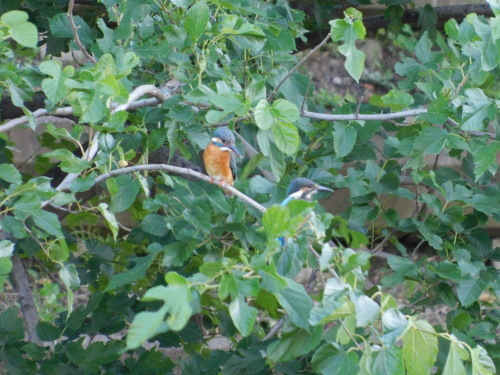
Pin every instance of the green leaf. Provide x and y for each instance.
(47, 331)
(145, 325)
(348, 30)
(344, 139)
(70, 163)
(478, 108)
(482, 364)
(6, 248)
(22, 31)
(366, 309)
(61, 28)
(420, 348)
(430, 141)
(243, 316)
(296, 302)
(285, 111)
(110, 219)
(294, 343)
(133, 274)
(286, 138)
(276, 221)
(264, 118)
(485, 159)
(55, 88)
(454, 362)
(328, 360)
(485, 204)
(10, 174)
(69, 276)
(438, 111)
(196, 20)
(124, 190)
(397, 100)
(230, 102)
(487, 45)
(389, 361)
(470, 289)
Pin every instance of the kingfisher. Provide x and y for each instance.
(301, 188)
(219, 162)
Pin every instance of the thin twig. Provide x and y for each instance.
(299, 64)
(75, 32)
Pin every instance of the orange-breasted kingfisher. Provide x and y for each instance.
(219, 162)
(301, 188)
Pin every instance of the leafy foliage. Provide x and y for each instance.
(196, 265)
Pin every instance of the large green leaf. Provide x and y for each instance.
(389, 361)
(286, 138)
(196, 20)
(454, 362)
(478, 108)
(276, 221)
(294, 343)
(328, 360)
(470, 289)
(55, 87)
(420, 348)
(10, 174)
(243, 315)
(296, 302)
(124, 190)
(485, 159)
(344, 139)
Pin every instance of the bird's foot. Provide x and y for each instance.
(222, 182)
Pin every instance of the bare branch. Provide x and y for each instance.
(25, 297)
(74, 28)
(181, 171)
(300, 63)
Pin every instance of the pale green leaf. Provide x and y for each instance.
(285, 111)
(10, 173)
(22, 31)
(420, 348)
(286, 138)
(485, 159)
(243, 316)
(263, 116)
(110, 219)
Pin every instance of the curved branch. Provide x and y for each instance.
(181, 171)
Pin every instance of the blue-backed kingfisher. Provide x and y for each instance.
(217, 157)
(301, 188)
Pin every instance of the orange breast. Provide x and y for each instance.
(217, 163)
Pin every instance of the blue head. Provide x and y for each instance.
(303, 188)
(224, 138)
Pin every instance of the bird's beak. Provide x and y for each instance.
(323, 188)
(236, 151)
